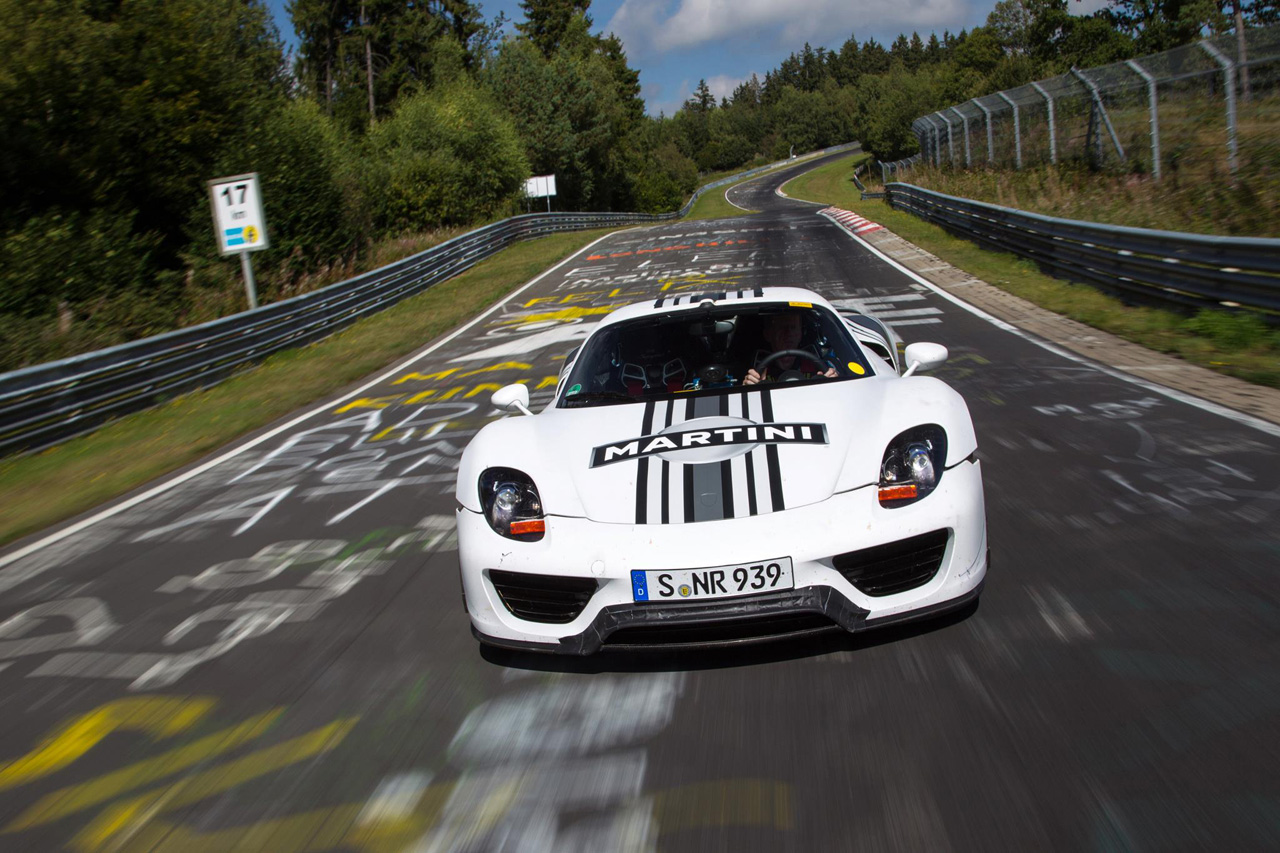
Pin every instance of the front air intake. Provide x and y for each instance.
(895, 567)
(543, 598)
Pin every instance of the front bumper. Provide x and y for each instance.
(727, 623)
(811, 535)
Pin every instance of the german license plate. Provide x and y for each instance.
(716, 582)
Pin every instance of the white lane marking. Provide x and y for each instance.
(1171, 393)
(731, 201)
(59, 535)
(920, 322)
(905, 312)
(778, 192)
(878, 300)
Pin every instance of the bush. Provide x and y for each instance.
(73, 259)
(300, 155)
(446, 157)
(1230, 331)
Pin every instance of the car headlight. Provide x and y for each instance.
(912, 465)
(511, 504)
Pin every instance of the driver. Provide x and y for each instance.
(784, 331)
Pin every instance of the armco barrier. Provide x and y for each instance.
(1198, 270)
(50, 402)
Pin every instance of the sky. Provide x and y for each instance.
(676, 43)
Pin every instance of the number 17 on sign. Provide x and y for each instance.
(239, 223)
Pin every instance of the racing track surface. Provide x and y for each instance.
(273, 655)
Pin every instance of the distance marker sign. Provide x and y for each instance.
(238, 219)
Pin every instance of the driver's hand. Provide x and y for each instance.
(830, 373)
(753, 377)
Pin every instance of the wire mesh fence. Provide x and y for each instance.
(1213, 105)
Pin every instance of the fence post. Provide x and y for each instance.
(1053, 142)
(1229, 77)
(1017, 127)
(1152, 100)
(991, 147)
(937, 144)
(1102, 109)
(968, 155)
(951, 140)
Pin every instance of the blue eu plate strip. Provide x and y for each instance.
(639, 586)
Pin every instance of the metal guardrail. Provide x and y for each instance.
(1198, 270)
(50, 402)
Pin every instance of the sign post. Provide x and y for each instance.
(239, 223)
(540, 186)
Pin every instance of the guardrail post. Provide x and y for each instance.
(1152, 101)
(1053, 141)
(1229, 77)
(991, 147)
(1102, 109)
(968, 155)
(1017, 127)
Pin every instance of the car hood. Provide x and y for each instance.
(705, 458)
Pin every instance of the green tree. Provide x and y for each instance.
(546, 22)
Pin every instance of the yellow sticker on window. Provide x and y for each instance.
(857, 368)
(800, 304)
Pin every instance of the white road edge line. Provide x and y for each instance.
(732, 186)
(1171, 393)
(116, 509)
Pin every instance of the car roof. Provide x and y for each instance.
(690, 300)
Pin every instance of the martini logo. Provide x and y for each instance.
(648, 445)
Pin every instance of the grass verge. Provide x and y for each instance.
(1239, 345)
(47, 487)
(1202, 203)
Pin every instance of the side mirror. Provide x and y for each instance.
(922, 356)
(515, 398)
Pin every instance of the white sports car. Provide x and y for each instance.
(719, 468)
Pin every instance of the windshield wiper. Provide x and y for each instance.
(588, 396)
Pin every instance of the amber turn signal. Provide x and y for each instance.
(536, 525)
(889, 493)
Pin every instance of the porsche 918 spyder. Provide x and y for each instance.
(718, 468)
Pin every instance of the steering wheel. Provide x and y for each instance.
(782, 353)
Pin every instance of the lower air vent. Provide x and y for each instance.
(895, 567)
(543, 598)
(774, 626)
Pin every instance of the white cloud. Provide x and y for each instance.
(722, 85)
(651, 26)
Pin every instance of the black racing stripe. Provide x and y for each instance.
(771, 454)
(726, 470)
(726, 488)
(642, 470)
(688, 494)
(751, 467)
(666, 472)
(658, 304)
(759, 292)
(688, 471)
(718, 296)
(739, 294)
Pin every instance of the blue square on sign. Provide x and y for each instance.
(639, 586)
(235, 236)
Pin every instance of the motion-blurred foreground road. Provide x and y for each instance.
(273, 654)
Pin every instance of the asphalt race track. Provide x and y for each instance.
(272, 653)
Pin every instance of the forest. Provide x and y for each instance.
(396, 118)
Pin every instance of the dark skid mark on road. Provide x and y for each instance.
(274, 655)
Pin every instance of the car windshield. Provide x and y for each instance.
(710, 349)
